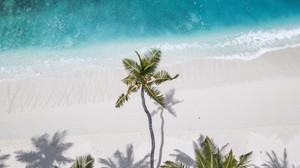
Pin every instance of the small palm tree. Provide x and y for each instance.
(182, 157)
(2, 159)
(144, 76)
(84, 162)
(48, 151)
(206, 157)
(119, 160)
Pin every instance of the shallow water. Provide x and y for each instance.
(50, 35)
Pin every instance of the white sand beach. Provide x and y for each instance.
(253, 105)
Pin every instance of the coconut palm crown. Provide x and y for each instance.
(144, 75)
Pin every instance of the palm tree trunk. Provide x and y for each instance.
(150, 129)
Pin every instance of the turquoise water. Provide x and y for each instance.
(35, 34)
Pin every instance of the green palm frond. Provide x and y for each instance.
(244, 160)
(162, 76)
(125, 97)
(170, 164)
(151, 60)
(200, 160)
(130, 79)
(208, 151)
(84, 162)
(155, 94)
(131, 66)
(140, 59)
(207, 155)
(121, 100)
(230, 161)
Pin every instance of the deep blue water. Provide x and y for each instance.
(35, 34)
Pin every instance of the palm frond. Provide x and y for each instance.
(131, 66)
(129, 80)
(84, 162)
(125, 96)
(151, 60)
(200, 160)
(170, 164)
(230, 161)
(162, 76)
(155, 94)
(121, 100)
(208, 151)
(244, 160)
(141, 61)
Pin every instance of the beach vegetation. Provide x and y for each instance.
(144, 76)
(189, 161)
(84, 162)
(120, 160)
(210, 157)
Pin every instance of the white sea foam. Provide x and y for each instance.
(244, 45)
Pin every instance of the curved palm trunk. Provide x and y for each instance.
(150, 129)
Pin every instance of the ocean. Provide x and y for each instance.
(45, 36)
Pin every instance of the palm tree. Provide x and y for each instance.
(84, 162)
(2, 159)
(119, 160)
(182, 157)
(144, 76)
(48, 151)
(210, 157)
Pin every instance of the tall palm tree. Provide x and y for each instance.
(144, 76)
(119, 160)
(48, 151)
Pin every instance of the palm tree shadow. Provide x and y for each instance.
(183, 158)
(3, 158)
(119, 160)
(170, 101)
(275, 162)
(48, 151)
